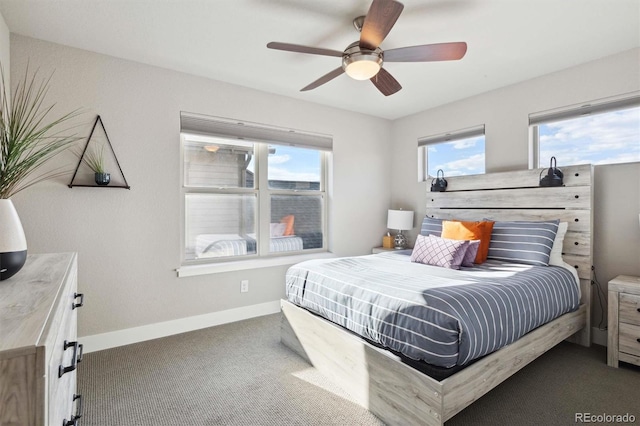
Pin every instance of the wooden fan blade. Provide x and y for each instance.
(385, 82)
(381, 17)
(427, 53)
(303, 49)
(324, 79)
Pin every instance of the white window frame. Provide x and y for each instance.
(228, 130)
(604, 105)
(424, 142)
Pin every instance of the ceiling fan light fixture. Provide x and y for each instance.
(361, 64)
(362, 69)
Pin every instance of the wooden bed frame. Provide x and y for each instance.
(400, 395)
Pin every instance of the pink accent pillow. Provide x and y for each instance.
(438, 251)
(471, 253)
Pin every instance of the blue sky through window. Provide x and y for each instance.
(294, 164)
(460, 157)
(607, 138)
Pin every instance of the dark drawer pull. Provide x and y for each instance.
(77, 305)
(638, 340)
(75, 417)
(79, 357)
(74, 361)
(638, 309)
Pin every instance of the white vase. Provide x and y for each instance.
(13, 244)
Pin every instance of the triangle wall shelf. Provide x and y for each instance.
(88, 176)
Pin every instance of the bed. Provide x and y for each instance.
(220, 245)
(376, 373)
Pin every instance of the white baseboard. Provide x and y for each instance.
(113, 339)
(599, 337)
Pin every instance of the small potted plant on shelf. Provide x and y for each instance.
(94, 159)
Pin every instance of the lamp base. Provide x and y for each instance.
(400, 241)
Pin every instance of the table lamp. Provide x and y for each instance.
(402, 220)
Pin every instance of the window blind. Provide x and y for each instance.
(236, 129)
(452, 136)
(602, 105)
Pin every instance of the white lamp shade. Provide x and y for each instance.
(401, 220)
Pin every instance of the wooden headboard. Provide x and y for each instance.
(518, 196)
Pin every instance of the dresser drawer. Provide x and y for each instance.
(629, 339)
(630, 309)
(61, 374)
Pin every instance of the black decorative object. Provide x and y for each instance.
(439, 184)
(554, 176)
(105, 178)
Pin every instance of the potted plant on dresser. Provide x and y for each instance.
(28, 140)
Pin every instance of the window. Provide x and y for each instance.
(456, 153)
(251, 190)
(602, 132)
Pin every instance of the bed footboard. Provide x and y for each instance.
(394, 391)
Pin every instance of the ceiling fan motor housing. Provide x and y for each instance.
(361, 64)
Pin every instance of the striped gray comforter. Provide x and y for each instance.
(442, 316)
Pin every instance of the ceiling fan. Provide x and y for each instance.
(363, 59)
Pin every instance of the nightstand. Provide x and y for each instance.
(623, 343)
(376, 250)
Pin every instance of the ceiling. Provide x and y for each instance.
(508, 41)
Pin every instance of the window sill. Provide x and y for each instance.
(240, 265)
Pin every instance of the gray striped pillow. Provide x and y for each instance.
(431, 226)
(525, 242)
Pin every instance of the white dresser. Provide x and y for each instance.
(39, 351)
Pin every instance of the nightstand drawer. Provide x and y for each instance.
(630, 339)
(630, 309)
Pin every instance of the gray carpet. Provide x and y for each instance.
(240, 374)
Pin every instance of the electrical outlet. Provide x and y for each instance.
(244, 286)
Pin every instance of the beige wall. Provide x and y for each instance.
(5, 50)
(128, 241)
(504, 112)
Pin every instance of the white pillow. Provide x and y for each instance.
(575, 276)
(555, 258)
(277, 229)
